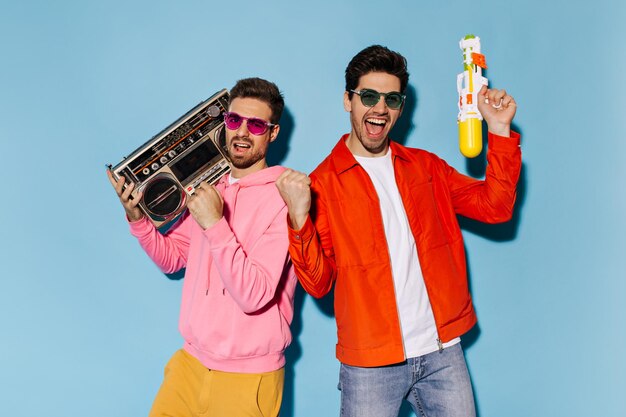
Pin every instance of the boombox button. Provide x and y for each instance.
(163, 160)
(155, 166)
(189, 188)
(146, 171)
(172, 154)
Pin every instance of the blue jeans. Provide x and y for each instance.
(436, 385)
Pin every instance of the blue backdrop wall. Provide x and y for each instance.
(88, 322)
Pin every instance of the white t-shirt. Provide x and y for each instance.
(419, 331)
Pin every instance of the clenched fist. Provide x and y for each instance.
(498, 109)
(206, 205)
(295, 188)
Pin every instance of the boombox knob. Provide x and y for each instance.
(213, 111)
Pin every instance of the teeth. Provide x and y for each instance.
(376, 122)
(241, 145)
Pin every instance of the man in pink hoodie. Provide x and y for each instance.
(237, 301)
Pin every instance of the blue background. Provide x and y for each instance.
(88, 322)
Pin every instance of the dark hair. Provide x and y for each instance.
(376, 58)
(262, 90)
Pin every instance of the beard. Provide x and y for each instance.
(372, 146)
(246, 160)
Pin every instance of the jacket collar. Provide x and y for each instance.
(344, 160)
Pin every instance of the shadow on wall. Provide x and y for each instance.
(278, 150)
(294, 352)
(292, 355)
(404, 126)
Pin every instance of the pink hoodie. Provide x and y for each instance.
(239, 283)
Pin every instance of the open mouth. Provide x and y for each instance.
(375, 126)
(241, 146)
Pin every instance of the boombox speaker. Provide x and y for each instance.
(169, 167)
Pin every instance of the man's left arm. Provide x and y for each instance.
(252, 276)
(491, 200)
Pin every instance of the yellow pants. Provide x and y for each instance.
(190, 389)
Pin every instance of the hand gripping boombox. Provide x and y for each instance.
(169, 167)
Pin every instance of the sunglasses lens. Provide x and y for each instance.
(232, 120)
(394, 100)
(257, 126)
(369, 98)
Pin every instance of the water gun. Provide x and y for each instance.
(468, 83)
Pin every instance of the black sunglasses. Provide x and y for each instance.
(369, 98)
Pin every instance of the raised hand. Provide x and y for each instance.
(498, 109)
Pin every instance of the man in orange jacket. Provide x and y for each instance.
(378, 220)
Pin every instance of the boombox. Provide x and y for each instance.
(169, 167)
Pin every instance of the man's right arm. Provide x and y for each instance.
(168, 252)
(312, 255)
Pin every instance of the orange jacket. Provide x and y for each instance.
(345, 242)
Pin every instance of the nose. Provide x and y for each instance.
(242, 130)
(381, 106)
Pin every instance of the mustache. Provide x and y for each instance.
(244, 139)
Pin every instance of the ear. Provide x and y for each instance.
(274, 133)
(347, 103)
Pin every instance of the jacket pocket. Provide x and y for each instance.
(432, 233)
(355, 230)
